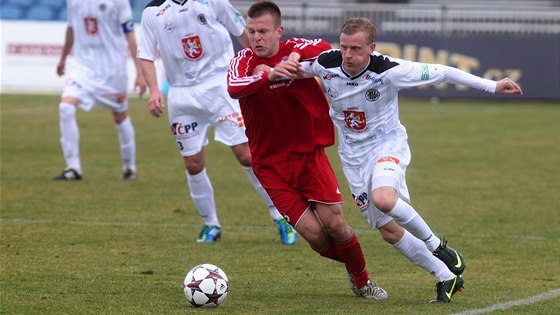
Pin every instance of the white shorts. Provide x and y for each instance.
(112, 95)
(192, 110)
(382, 170)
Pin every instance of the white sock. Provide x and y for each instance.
(69, 136)
(415, 251)
(273, 212)
(405, 215)
(202, 195)
(125, 131)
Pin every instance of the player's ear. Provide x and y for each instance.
(280, 31)
(371, 47)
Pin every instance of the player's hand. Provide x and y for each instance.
(260, 68)
(507, 86)
(288, 69)
(140, 84)
(60, 68)
(155, 104)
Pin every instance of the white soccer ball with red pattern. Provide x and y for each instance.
(206, 285)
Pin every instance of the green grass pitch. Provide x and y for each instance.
(484, 174)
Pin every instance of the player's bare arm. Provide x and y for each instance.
(139, 82)
(68, 43)
(507, 86)
(155, 103)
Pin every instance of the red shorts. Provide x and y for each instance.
(298, 182)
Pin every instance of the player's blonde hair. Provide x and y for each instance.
(359, 24)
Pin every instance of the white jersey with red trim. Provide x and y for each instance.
(100, 48)
(193, 37)
(364, 107)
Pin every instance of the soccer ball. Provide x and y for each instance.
(206, 285)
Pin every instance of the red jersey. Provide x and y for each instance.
(281, 117)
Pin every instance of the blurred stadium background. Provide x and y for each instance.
(493, 39)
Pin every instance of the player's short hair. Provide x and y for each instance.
(359, 24)
(261, 8)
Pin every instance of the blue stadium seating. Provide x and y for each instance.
(12, 12)
(55, 4)
(62, 14)
(22, 3)
(40, 12)
(54, 10)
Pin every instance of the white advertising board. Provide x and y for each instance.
(30, 53)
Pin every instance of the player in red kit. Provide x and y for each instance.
(288, 127)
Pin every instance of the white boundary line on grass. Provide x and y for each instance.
(502, 306)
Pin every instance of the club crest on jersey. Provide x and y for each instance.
(355, 120)
(168, 26)
(192, 47)
(201, 19)
(92, 27)
(372, 95)
(332, 92)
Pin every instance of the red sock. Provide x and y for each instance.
(330, 252)
(350, 253)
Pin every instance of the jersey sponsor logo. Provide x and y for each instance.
(201, 19)
(91, 24)
(352, 83)
(284, 83)
(330, 76)
(236, 119)
(332, 92)
(355, 120)
(162, 11)
(374, 79)
(192, 47)
(388, 158)
(372, 95)
(425, 72)
(181, 130)
(361, 200)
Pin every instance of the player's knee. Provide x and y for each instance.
(384, 198)
(338, 230)
(119, 117)
(245, 160)
(242, 153)
(194, 165)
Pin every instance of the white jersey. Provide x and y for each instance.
(100, 49)
(193, 38)
(364, 107)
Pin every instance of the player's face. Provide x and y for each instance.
(355, 52)
(264, 36)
